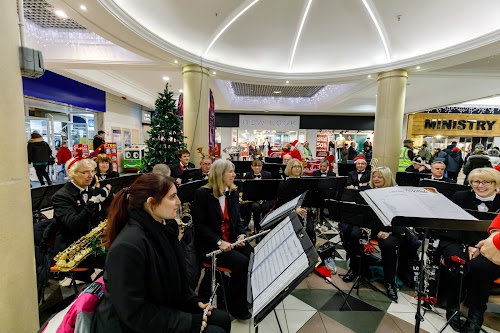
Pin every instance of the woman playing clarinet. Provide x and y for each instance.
(215, 212)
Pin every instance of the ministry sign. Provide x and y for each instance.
(452, 124)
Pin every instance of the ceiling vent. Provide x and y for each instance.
(42, 13)
(258, 90)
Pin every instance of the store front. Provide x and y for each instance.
(439, 130)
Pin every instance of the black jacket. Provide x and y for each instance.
(207, 219)
(98, 141)
(352, 153)
(132, 301)
(264, 174)
(352, 178)
(196, 175)
(175, 169)
(38, 151)
(317, 173)
(74, 217)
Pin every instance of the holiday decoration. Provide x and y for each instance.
(166, 136)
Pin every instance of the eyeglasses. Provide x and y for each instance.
(484, 182)
(87, 173)
(297, 166)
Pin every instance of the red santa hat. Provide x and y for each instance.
(359, 158)
(294, 143)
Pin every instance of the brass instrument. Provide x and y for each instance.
(185, 219)
(82, 248)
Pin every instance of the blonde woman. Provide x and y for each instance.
(216, 216)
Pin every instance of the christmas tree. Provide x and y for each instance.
(166, 136)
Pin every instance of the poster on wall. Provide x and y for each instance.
(244, 149)
(321, 145)
(127, 138)
(217, 150)
(110, 149)
(116, 136)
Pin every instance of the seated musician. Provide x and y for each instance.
(418, 165)
(437, 172)
(145, 275)
(388, 240)
(360, 177)
(258, 208)
(76, 208)
(286, 193)
(286, 158)
(104, 168)
(177, 169)
(202, 173)
(323, 169)
(481, 272)
(215, 212)
(162, 169)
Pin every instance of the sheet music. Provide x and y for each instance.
(290, 205)
(278, 260)
(390, 202)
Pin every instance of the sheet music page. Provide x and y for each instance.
(411, 201)
(290, 205)
(278, 260)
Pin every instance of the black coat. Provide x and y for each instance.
(352, 178)
(132, 301)
(317, 173)
(98, 141)
(207, 219)
(264, 174)
(38, 151)
(74, 217)
(196, 175)
(175, 169)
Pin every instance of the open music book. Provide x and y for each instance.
(421, 202)
(278, 260)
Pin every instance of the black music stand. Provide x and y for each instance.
(277, 170)
(313, 260)
(187, 175)
(118, 183)
(410, 178)
(447, 189)
(277, 160)
(345, 168)
(41, 197)
(240, 167)
(435, 224)
(186, 191)
(361, 216)
(263, 189)
(275, 216)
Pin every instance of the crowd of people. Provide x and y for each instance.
(145, 271)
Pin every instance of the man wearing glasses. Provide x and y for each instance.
(76, 208)
(202, 172)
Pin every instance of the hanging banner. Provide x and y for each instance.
(321, 145)
(211, 124)
(180, 107)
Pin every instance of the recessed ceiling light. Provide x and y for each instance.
(277, 92)
(165, 78)
(83, 7)
(181, 91)
(287, 81)
(214, 72)
(418, 67)
(369, 76)
(175, 61)
(60, 13)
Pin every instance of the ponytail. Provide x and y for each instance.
(117, 217)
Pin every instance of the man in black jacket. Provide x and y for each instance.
(177, 169)
(323, 169)
(99, 139)
(360, 177)
(437, 170)
(202, 173)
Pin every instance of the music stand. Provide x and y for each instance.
(435, 224)
(41, 197)
(241, 167)
(187, 175)
(447, 189)
(410, 178)
(275, 216)
(118, 183)
(263, 189)
(283, 289)
(185, 192)
(277, 170)
(344, 168)
(277, 160)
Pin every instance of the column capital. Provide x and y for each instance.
(395, 73)
(192, 68)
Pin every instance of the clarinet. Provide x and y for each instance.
(430, 276)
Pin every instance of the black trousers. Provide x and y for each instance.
(41, 172)
(388, 250)
(482, 272)
(451, 280)
(218, 322)
(237, 261)
(259, 210)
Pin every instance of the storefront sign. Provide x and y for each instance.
(453, 124)
(146, 117)
(270, 123)
(321, 145)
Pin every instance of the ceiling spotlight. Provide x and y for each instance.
(181, 91)
(214, 72)
(83, 7)
(369, 76)
(287, 81)
(175, 61)
(60, 14)
(165, 78)
(277, 92)
(418, 67)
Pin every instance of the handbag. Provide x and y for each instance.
(52, 160)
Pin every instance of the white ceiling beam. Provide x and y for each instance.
(299, 33)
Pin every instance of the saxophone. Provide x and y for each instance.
(82, 248)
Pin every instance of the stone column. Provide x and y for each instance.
(387, 140)
(18, 299)
(196, 103)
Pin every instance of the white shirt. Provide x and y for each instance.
(222, 201)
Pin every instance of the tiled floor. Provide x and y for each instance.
(314, 307)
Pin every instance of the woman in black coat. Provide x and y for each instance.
(145, 273)
(104, 168)
(39, 154)
(480, 271)
(216, 217)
